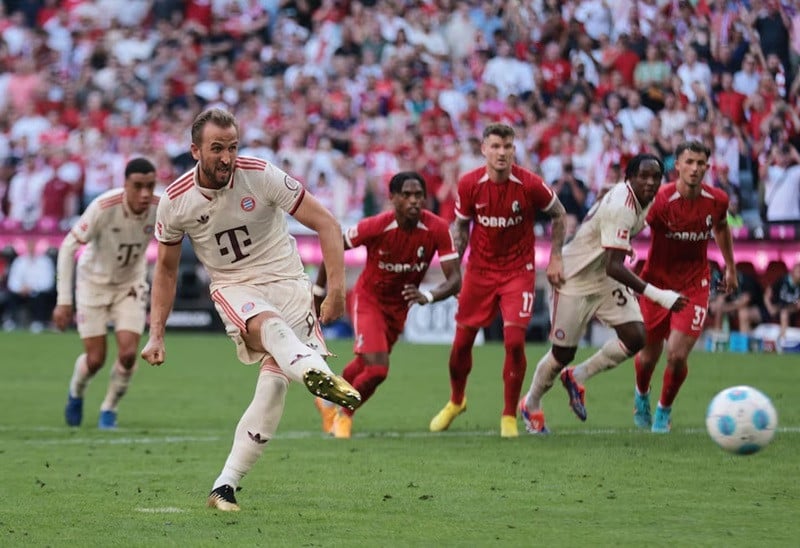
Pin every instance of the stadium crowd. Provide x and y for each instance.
(343, 94)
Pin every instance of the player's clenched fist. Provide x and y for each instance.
(154, 352)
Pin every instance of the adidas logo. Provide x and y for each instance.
(257, 438)
(203, 219)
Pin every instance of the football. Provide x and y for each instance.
(741, 420)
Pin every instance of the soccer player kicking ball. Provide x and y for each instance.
(500, 200)
(599, 284)
(685, 215)
(233, 210)
(401, 244)
(111, 286)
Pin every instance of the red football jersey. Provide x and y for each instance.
(396, 257)
(502, 217)
(680, 231)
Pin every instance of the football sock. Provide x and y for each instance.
(643, 375)
(610, 355)
(461, 362)
(367, 381)
(673, 379)
(117, 386)
(546, 372)
(256, 427)
(292, 356)
(514, 368)
(80, 377)
(353, 369)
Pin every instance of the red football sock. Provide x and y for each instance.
(353, 369)
(461, 362)
(514, 367)
(643, 376)
(673, 379)
(367, 381)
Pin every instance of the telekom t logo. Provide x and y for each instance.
(234, 244)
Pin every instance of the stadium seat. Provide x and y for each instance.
(773, 272)
(747, 268)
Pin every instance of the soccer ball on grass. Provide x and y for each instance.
(741, 420)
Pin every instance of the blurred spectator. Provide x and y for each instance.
(745, 308)
(783, 299)
(781, 189)
(107, 79)
(572, 193)
(25, 191)
(31, 286)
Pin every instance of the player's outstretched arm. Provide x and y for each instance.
(555, 266)
(616, 269)
(315, 216)
(65, 269)
(724, 239)
(460, 232)
(162, 297)
(319, 290)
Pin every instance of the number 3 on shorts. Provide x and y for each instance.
(699, 318)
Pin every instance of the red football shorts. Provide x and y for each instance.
(377, 327)
(658, 321)
(484, 292)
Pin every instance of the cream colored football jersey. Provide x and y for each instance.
(116, 242)
(610, 223)
(238, 232)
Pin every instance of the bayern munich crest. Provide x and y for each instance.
(559, 334)
(247, 307)
(148, 229)
(248, 203)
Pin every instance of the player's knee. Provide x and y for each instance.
(633, 341)
(95, 361)
(127, 358)
(563, 354)
(376, 374)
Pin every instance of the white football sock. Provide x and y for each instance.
(610, 355)
(117, 386)
(546, 372)
(293, 357)
(80, 377)
(256, 427)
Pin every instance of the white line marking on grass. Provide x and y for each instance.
(166, 510)
(189, 435)
(124, 441)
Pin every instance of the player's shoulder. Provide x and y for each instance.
(251, 163)
(434, 221)
(473, 176)
(179, 187)
(713, 193)
(525, 176)
(109, 199)
(376, 223)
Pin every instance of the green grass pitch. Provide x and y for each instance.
(598, 483)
